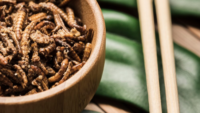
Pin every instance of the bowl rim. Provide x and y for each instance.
(94, 57)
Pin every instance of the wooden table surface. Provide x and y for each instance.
(186, 32)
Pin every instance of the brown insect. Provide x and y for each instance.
(37, 82)
(35, 57)
(3, 24)
(87, 51)
(42, 66)
(71, 20)
(9, 73)
(51, 71)
(79, 47)
(46, 28)
(31, 74)
(4, 60)
(22, 74)
(77, 67)
(20, 22)
(60, 73)
(37, 16)
(59, 54)
(33, 91)
(67, 73)
(43, 23)
(3, 50)
(5, 81)
(59, 22)
(25, 43)
(63, 3)
(47, 50)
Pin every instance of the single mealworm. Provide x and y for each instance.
(71, 20)
(59, 22)
(42, 66)
(67, 73)
(43, 23)
(59, 54)
(60, 73)
(77, 67)
(79, 47)
(64, 39)
(3, 24)
(56, 64)
(63, 3)
(35, 56)
(22, 74)
(5, 81)
(31, 74)
(37, 16)
(87, 51)
(47, 50)
(37, 82)
(20, 22)
(4, 60)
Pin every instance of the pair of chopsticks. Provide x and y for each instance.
(145, 8)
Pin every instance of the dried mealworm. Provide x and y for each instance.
(12, 2)
(43, 23)
(56, 64)
(31, 74)
(59, 54)
(25, 43)
(59, 22)
(46, 28)
(22, 74)
(5, 81)
(67, 73)
(20, 5)
(14, 38)
(71, 52)
(87, 51)
(20, 22)
(71, 20)
(9, 73)
(47, 50)
(75, 62)
(34, 7)
(42, 66)
(77, 67)
(60, 73)
(33, 91)
(37, 16)
(37, 82)
(45, 83)
(35, 57)
(8, 20)
(79, 47)
(40, 38)
(63, 3)
(51, 71)
(3, 50)
(4, 60)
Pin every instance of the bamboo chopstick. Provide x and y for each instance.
(166, 43)
(145, 8)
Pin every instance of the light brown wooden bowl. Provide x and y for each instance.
(74, 94)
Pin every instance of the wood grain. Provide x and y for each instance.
(145, 9)
(167, 52)
(73, 95)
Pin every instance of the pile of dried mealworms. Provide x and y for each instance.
(41, 45)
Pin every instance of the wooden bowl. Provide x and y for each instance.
(73, 95)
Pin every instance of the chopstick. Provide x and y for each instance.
(145, 8)
(166, 43)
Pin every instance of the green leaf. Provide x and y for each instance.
(178, 7)
(124, 74)
(122, 24)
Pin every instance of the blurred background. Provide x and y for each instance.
(123, 85)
